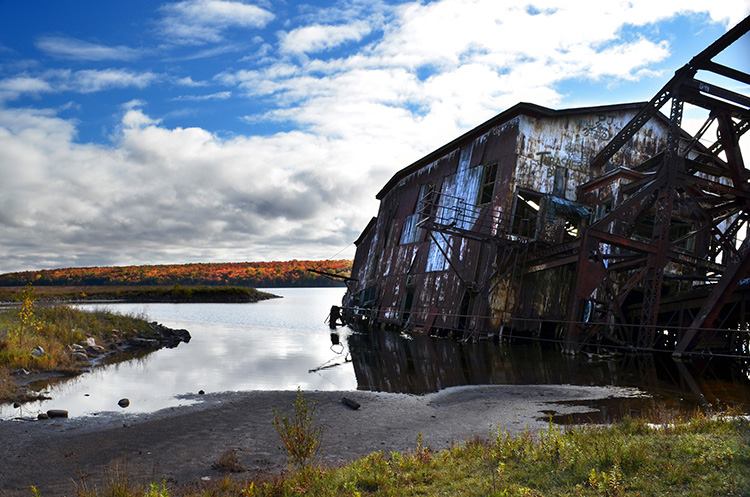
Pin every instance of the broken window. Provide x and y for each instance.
(427, 200)
(526, 214)
(488, 183)
(561, 181)
(411, 232)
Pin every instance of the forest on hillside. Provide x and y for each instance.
(252, 274)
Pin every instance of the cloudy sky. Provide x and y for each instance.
(218, 130)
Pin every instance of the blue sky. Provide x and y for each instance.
(197, 130)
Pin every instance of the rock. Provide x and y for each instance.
(76, 347)
(143, 342)
(90, 342)
(16, 405)
(201, 392)
(80, 356)
(20, 372)
(94, 351)
(123, 403)
(42, 415)
(351, 404)
(37, 351)
(172, 338)
(57, 413)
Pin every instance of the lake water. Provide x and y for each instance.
(282, 344)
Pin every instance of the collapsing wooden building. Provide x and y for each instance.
(603, 225)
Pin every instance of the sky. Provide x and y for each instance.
(141, 131)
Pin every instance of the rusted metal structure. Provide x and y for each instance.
(596, 226)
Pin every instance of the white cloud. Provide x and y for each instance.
(219, 95)
(201, 21)
(93, 80)
(190, 82)
(72, 48)
(317, 37)
(12, 88)
(201, 196)
(83, 81)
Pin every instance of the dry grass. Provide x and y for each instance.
(228, 462)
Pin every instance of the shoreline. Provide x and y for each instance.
(180, 444)
(90, 356)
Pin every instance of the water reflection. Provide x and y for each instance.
(389, 362)
(284, 343)
(269, 345)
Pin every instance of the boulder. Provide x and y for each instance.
(57, 413)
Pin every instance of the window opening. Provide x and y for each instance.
(488, 183)
(526, 214)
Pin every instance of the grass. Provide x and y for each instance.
(228, 462)
(138, 293)
(54, 329)
(698, 457)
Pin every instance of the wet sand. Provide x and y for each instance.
(180, 444)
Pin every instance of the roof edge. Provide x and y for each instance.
(521, 108)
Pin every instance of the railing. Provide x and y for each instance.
(454, 215)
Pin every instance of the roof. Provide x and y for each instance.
(365, 231)
(521, 108)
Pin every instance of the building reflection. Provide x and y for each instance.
(390, 362)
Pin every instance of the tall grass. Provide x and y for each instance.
(54, 329)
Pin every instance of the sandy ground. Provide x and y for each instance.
(180, 444)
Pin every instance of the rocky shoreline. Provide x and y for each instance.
(88, 354)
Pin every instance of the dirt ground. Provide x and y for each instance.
(180, 444)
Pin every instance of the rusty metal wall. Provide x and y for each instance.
(528, 150)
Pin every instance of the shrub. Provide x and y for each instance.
(228, 462)
(299, 434)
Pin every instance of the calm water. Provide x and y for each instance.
(284, 343)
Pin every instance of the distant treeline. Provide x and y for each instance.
(140, 293)
(251, 274)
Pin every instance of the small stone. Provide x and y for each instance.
(201, 392)
(123, 403)
(80, 356)
(205, 478)
(42, 415)
(57, 413)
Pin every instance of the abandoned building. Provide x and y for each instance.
(593, 226)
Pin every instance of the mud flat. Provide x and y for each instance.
(180, 444)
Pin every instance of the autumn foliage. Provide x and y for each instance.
(253, 274)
